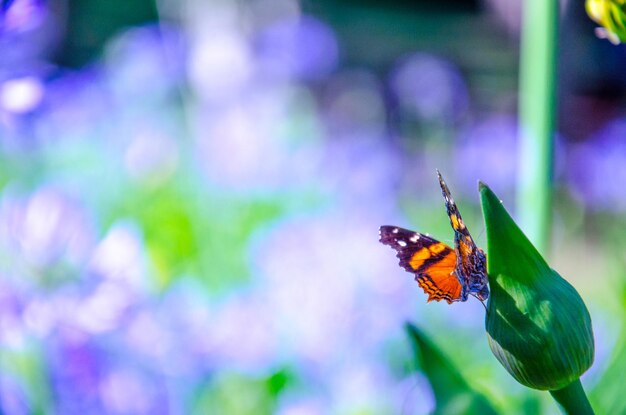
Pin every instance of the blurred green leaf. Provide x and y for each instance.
(234, 394)
(453, 395)
(29, 366)
(608, 394)
(197, 234)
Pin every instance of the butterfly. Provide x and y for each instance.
(442, 272)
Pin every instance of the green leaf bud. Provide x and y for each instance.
(537, 324)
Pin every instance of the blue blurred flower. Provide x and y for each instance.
(221, 64)
(243, 333)
(302, 406)
(597, 168)
(304, 48)
(353, 106)
(76, 105)
(124, 390)
(120, 256)
(146, 337)
(487, 151)
(46, 228)
(13, 398)
(29, 33)
(319, 275)
(152, 157)
(145, 64)
(21, 95)
(428, 87)
(76, 365)
(13, 335)
(188, 335)
(267, 141)
(359, 171)
(21, 15)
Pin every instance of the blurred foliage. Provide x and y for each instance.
(453, 395)
(91, 24)
(607, 394)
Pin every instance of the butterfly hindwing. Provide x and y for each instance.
(432, 262)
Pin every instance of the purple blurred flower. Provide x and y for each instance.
(174, 333)
(12, 332)
(120, 256)
(304, 48)
(21, 95)
(358, 172)
(265, 12)
(488, 152)
(429, 87)
(220, 64)
(302, 406)
(507, 12)
(91, 375)
(77, 365)
(29, 33)
(145, 63)
(597, 168)
(21, 15)
(103, 309)
(186, 336)
(46, 228)
(243, 335)
(13, 399)
(353, 106)
(41, 314)
(361, 386)
(253, 143)
(128, 391)
(318, 276)
(152, 157)
(147, 336)
(76, 103)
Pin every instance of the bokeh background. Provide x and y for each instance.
(191, 193)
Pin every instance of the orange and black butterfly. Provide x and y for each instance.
(444, 273)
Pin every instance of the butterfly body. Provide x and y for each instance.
(444, 273)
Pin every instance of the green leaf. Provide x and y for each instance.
(453, 395)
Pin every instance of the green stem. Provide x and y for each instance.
(572, 399)
(537, 114)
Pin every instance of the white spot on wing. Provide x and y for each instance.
(402, 243)
(414, 238)
(395, 230)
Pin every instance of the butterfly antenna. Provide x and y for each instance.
(481, 301)
(482, 232)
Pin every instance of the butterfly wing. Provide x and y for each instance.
(471, 267)
(432, 262)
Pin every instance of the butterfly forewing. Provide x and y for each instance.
(432, 262)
